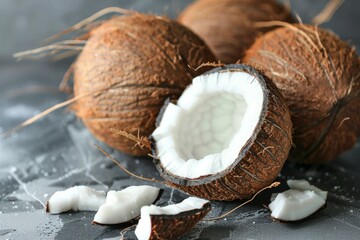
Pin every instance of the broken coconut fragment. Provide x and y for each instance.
(172, 221)
(228, 136)
(78, 198)
(297, 203)
(122, 206)
(304, 185)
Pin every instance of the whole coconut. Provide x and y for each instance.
(140, 61)
(319, 76)
(227, 26)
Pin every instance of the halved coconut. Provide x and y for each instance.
(122, 206)
(297, 203)
(78, 198)
(172, 221)
(227, 137)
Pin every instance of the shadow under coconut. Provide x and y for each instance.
(77, 223)
(216, 232)
(329, 211)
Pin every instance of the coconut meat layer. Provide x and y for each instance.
(77, 198)
(294, 205)
(304, 185)
(213, 119)
(299, 202)
(122, 206)
(143, 229)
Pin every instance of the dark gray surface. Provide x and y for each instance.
(57, 152)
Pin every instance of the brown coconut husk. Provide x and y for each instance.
(145, 60)
(260, 160)
(319, 76)
(227, 26)
(128, 66)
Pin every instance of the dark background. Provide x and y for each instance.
(24, 24)
(57, 152)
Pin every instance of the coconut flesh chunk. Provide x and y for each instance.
(297, 203)
(304, 185)
(212, 121)
(122, 206)
(78, 198)
(171, 221)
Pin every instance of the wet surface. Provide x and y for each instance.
(57, 152)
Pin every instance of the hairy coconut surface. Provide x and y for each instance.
(140, 60)
(227, 26)
(228, 136)
(319, 76)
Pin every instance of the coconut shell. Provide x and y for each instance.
(259, 161)
(227, 26)
(318, 74)
(174, 226)
(138, 61)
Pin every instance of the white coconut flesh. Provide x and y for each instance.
(305, 185)
(297, 203)
(122, 206)
(143, 229)
(213, 119)
(78, 198)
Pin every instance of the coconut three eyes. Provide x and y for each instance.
(319, 76)
(227, 137)
(138, 61)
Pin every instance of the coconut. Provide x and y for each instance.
(133, 63)
(228, 136)
(172, 221)
(318, 74)
(78, 198)
(299, 202)
(125, 205)
(227, 26)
